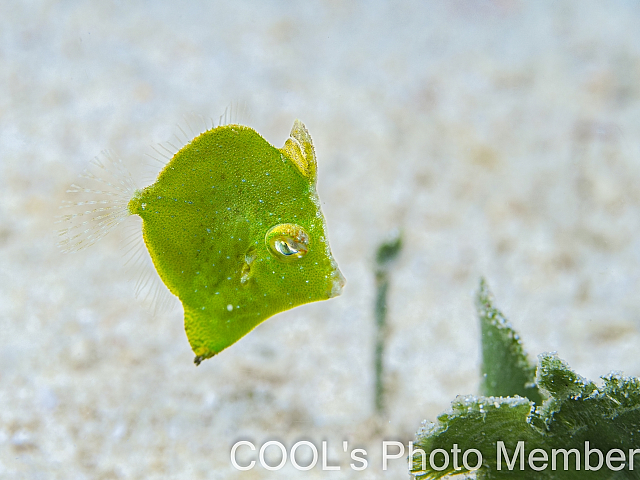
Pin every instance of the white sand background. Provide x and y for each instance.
(503, 137)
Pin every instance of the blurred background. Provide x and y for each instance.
(502, 137)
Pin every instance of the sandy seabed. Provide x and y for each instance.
(502, 137)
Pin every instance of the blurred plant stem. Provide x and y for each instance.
(387, 252)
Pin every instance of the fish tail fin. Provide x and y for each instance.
(99, 201)
(99, 204)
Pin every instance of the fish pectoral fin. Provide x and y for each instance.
(299, 149)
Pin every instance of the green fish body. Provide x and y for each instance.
(234, 229)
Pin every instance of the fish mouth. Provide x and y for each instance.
(337, 283)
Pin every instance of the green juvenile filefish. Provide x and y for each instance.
(234, 229)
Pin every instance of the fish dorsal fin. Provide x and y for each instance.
(299, 149)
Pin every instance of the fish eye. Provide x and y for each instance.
(287, 241)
